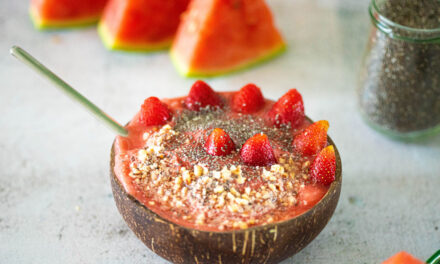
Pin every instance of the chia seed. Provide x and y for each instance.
(400, 82)
(240, 128)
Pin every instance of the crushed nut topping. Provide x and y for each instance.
(215, 191)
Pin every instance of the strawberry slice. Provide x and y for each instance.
(154, 112)
(248, 100)
(257, 151)
(312, 139)
(219, 143)
(289, 109)
(202, 95)
(323, 168)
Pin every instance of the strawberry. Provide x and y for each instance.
(323, 168)
(202, 95)
(154, 112)
(248, 100)
(289, 109)
(312, 139)
(219, 143)
(257, 151)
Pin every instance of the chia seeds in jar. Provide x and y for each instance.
(399, 89)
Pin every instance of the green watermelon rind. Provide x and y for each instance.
(190, 73)
(42, 24)
(112, 44)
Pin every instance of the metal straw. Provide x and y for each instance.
(25, 57)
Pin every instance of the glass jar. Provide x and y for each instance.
(399, 85)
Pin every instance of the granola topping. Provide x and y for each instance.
(176, 175)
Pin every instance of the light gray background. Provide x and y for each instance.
(55, 198)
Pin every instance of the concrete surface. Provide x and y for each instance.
(55, 199)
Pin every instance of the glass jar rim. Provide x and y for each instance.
(388, 26)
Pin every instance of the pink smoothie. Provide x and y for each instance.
(238, 198)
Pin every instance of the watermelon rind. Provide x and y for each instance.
(186, 71)
(113, 44)
(42, 24)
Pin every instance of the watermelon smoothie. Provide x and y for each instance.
(172, 170)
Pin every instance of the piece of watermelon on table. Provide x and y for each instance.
(47, 14)
(140, 25)
(403, 258)
(220, 36)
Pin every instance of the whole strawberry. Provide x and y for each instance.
(289, 109)
(323, 168)
(257, 151)
(312, 139)
(248, 100)
(219, 143)
(202, 95)
(154, 112)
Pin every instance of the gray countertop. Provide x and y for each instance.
(55, 198)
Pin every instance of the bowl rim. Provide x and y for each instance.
(336, 184)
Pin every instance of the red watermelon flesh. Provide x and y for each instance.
(65, 13)
(403, 258)
(218, 36)
(140, 24)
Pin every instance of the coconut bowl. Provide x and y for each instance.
(269, 243)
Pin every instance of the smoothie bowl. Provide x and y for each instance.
(225, 177)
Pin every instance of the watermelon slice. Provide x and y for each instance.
(141, 25)
(65, 13)
(403, 258)
(220, 36)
